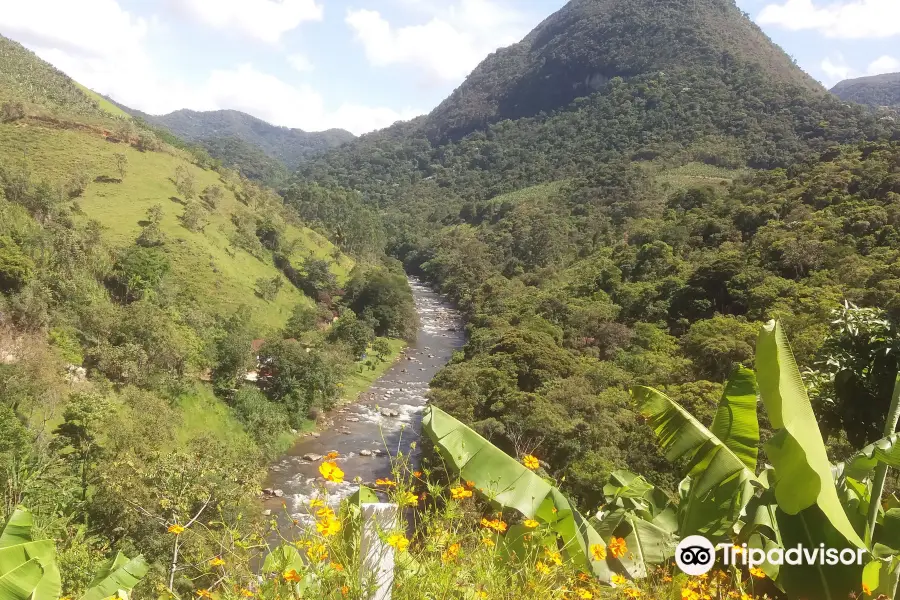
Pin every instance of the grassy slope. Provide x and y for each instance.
(102, 103)
(202, 267)
(363, 378)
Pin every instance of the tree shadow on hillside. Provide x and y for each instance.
(106, 179)
(177, 200)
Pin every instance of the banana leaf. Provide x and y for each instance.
(863, 463)
(507, 484)
(21, 582)
(647, 543)
(721, 461)
(17, 548)
(117, 577)
(809, 509)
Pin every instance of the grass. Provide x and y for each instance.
(530, 194)
(203, 413)
(698, 173)
(205, 269)
(104, 104)
(364, 376)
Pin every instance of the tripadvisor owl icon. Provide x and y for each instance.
(695, 555)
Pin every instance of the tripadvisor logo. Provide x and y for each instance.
(696, 555)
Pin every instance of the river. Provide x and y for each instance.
(383, 421)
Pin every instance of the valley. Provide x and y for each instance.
(634, 280)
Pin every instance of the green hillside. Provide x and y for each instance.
(874, 91)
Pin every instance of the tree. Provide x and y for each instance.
(78, 436)
(353, 332)
(16, 269)
(12, 111)
(304, 318)
(212, 196)
(381, 348)
(297, 378)
(384, 298)
(184, 182)
(268, 289)
(716, 345)
(137, 271)
(121, 164)
(195, 217)
(151, 232)
(234, 356)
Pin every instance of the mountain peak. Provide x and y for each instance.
(875, 90)
(577, 50)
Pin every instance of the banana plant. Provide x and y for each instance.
(28, 568)
(508, 485)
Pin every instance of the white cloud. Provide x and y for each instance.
(449, 44)
(265, 20)
(847, 19)
(102, 46)
(836, 69)
(884, 64)
(301, 62)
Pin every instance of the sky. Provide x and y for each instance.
(361, 65)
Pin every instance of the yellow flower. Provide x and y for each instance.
(385, 482)
(203, 594)
(328, 527)
(866, 590)
(460, 493)
(246, 593)
(451, 552)
(337, 566)
(757, 572)
(619, 579)
(316, 503)
(541, 568)
(398, 541)
(176, 529)
(317, 552)
(530, 462)
(496, 524)
(598, 552)
(325, 513)
(689, 594)
(331, 472)
(617, 547)
(531, 523)
(632, 592)
(583, 593)
(482, 594)
(553, 556)
(410, 499)
(216, 562)
(488, 542)
(291, 575)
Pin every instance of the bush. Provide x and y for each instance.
(12, 111)
(16, 269)
(212, 196)
(263, 419)
(195, 217)
(384, 298)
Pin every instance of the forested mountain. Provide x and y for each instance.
(576, 51)
(875, 91)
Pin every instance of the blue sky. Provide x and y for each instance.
(362, 64)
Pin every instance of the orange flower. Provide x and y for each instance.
(460, 493)
(632, 592)
(598, 552)
(470, 485)
(291, 575)
(331, 456)
(345, 590)
(176, 529)
(417, 473)
(617, 547)
(866, 589)
(337, 566)
(530, 523)
(331, 472)
(530, 462)
(496, 524)
(451, 552)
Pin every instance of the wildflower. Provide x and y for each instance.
(216, 562)
(246, 593)
(757, 572)
(398, 541)
(584, 576)
(482, 594)
(203, 594)
(291, 575)
(176, 529)
(417, 473)
(531, 523)
(689, 594)
(619, 580)
(488, 542)
(530, 462)
(470, 485)
(553, 556)
(316, 503)
(632, 592)
(337, 566)
(325, 513)
(410, 499)
(451, 552)
(496, 524)
(583, 593)
(866, 589)
(460, 493)
(345, 590)
(317, 552)
(331, 472)
(331, 456)
(541, 568)
(328, 527)
(617, 547)
(385, 482)
(598, 552)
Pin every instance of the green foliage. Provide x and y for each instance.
(78, 435)
(355, 333)
(15, 267)
(137, 271)
(268, 289)
(382, 297)
(875, 91)
(265, 419)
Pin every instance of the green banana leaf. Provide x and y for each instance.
(118, 576)
(633, 492)
(17, 548)
(863, 463)
(647, 543)
(21, 582)
(721, 462)
(809, 509)
(507, 484)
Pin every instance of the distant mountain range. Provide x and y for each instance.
(875, 91)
